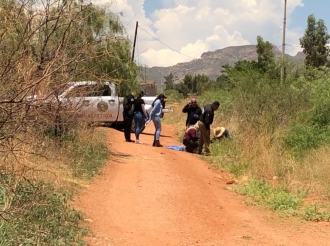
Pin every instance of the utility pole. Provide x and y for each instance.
(136, 27)
(283, 43)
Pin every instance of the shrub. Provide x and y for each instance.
(38, 214)
(276, 198)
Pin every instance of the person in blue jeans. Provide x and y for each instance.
(140, 115)
(155, 115)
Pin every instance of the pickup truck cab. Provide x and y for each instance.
(93, 102)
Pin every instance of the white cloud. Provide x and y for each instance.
(192, 27)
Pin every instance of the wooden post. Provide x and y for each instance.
(283, 43)
(136, 27)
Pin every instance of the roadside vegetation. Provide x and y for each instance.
(45, 154)
(280, 128)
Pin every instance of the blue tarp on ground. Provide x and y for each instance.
(176, 147)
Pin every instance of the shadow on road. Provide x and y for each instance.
(151, 134)
(143, 133)
(119, 157)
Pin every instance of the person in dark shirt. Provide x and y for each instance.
(190, 139)
(140, 116)
(128, 113)
(204, 124)
(193, 112)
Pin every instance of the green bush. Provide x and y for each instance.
(224, 97)
(313, 213)
(274, 197)
(38, 215)
(173, 96)
(311, 128)
(225, 154)
(86, 155)
(303, 138)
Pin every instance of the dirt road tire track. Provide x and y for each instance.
(157, 196)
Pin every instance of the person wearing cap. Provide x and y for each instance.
(128, 114)
(190, 139)
(219, 133)
(193, 112)
(155, 115)
(140, 116)
(204, 124)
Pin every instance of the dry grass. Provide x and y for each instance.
(53, 167)
(266, 157)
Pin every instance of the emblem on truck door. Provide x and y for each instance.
(102, 106)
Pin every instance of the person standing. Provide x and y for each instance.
(204, 124)
(193, 112)
(140, 116)
(128, 114)
(155, 115)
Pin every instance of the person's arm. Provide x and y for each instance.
(186, 108)
(126, 105)
(208, 117)
(143, 109)
(199, 111)
(154, 108)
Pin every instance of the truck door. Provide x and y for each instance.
(95, 102)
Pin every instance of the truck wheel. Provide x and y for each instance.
(133, 127)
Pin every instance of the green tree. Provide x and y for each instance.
(42, 48)
(169, 81)
(182, 88)
(266, 57)
(314, 42)
(223, 82)
(188, 81)
(203, 83)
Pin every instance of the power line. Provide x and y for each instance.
(167, 45)
(133, 17)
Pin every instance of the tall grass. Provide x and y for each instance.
(35, 194)
(279, 131)
(38, 214)
(87, 152)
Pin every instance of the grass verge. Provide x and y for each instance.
(36, 213)
(35, 206)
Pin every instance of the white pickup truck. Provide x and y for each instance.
(95, 102)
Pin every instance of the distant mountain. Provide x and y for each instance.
(211, 63)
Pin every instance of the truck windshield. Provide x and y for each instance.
(89, 90)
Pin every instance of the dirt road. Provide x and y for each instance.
(157, 196)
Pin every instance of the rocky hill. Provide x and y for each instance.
(211, 63)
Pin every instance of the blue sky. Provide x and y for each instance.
(175, 31)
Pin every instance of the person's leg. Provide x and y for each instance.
(158, 127)
(203, 136)
(207, 141)
(127, 127)
(138, 125)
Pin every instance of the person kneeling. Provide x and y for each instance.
(190, 139)
(219, 133)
